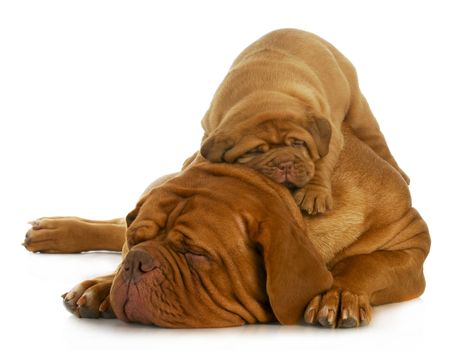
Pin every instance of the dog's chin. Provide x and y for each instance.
(131, 301)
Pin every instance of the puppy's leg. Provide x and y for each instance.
(316, 196)
(366, 128)
(391, 274)
(90, 298)
(73, 235)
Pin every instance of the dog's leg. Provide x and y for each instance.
(90, 298)
(73, 235)
(391, 274)
(366, 128)
(361, 281)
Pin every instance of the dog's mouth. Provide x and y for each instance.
(142, 291)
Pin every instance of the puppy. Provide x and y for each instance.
(280, 110)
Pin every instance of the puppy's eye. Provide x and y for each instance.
(255, 151)
(298, 143)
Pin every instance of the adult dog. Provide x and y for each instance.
(280, 109)
(222, 245)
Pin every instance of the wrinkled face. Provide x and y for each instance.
(286, 160)
(200, 256)
(282, 150)
(191, 275)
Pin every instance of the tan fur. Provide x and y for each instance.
(222, 245)
(291, 75)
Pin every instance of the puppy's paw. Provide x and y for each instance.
(314, 199)
(339, 309)
(90, 299)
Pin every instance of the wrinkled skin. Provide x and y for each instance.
(285, 150)
(221, 245)
(206, 269)
(282, 153)
(303, 82)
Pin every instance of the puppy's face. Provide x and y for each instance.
(283, 150)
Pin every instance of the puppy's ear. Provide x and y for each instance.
(215, 146)
(321, 131)
(295, 272)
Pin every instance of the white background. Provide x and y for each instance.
(98, 98)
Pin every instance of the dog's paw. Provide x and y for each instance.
(314, 199)
(53, 235)
(339, 309)
(45, 235)
(90, 299)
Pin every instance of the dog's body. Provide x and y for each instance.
(302, 82)
(221, 245)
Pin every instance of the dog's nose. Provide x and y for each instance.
(136, 263)
(286, 166)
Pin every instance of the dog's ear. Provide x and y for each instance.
(215, 146)
(321, 131)
(152, 214)
(295, 272)
(131, 234)
(131, 216)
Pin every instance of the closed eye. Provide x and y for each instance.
(255, 151)
(298, 143)
(182, 243)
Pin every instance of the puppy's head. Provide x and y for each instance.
(202, 256)
(285, 150)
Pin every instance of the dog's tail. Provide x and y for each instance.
(74, 235)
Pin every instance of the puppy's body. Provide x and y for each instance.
(291, 76)
(255, 257)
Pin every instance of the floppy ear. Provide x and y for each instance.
(295, 272)
(152, 214)
(215, 146)
(129, 219)
(321, 131)
(131, 216)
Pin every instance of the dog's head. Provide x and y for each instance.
(283, 145)
(217, 246)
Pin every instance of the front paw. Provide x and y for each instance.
(339, 309)
(314, 199)
(90, 299)
(53, 235)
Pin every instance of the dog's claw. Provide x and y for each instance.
(82, 300)
(339, 308)
(90, 299)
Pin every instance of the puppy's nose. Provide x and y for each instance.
(286, 166)
(136, 263)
